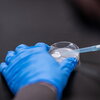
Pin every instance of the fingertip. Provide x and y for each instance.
(10, 55)
(20, 48)
(43, 45)
(40, 44)
(3, 65)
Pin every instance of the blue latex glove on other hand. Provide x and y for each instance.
(31, 64)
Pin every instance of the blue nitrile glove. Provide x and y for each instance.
(27, 65)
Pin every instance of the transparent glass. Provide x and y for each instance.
(62, 50)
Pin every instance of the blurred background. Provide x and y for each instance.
(78, 21)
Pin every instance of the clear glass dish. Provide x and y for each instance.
(62, 50)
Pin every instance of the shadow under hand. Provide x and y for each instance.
(69, 87)
(5, 93)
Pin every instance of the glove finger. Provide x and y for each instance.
(21, 48)
(3, 67)
(43, 45)
(69, 64)
(9, 56)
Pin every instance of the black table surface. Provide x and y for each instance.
(50, 21)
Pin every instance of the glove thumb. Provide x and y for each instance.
(69, 64)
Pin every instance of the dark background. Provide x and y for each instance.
(50, 21)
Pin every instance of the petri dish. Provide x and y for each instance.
(62, 50)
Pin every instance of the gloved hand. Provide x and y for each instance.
(28, 65)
